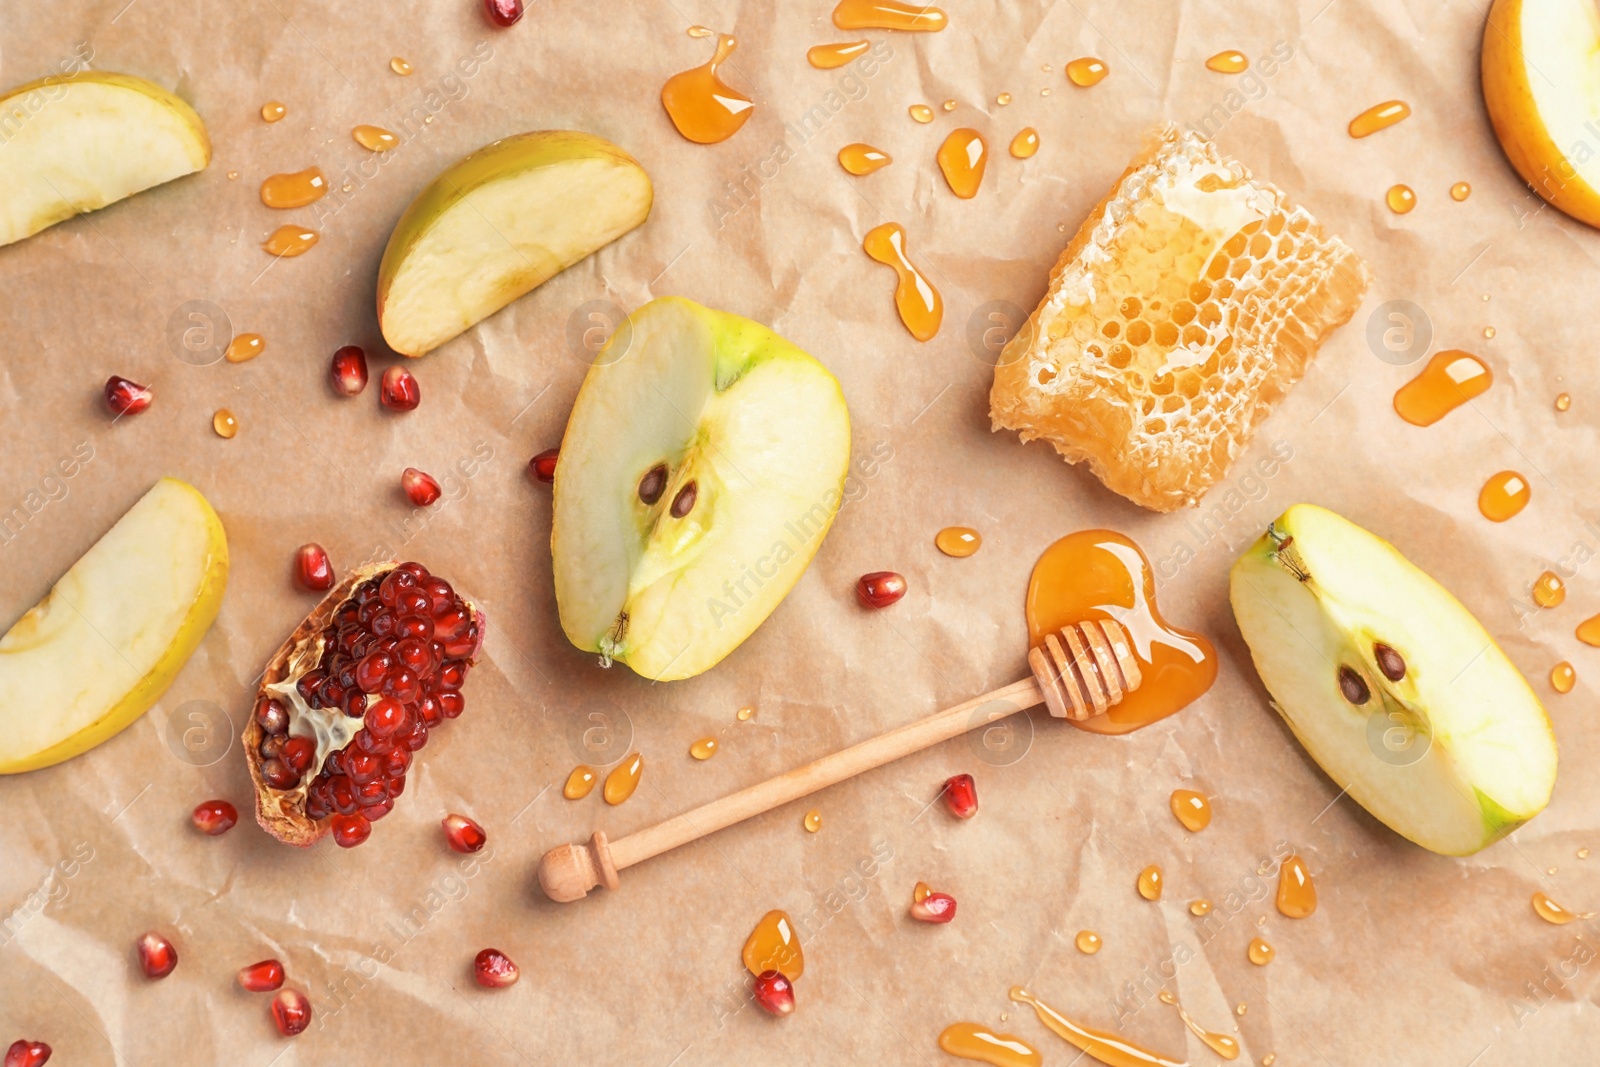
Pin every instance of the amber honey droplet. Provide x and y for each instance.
(294, 190)
(1223, 1045)
(745, 713)
(704, 748)
(245, 346)
(1003, 99)
(1563, 402)
(700, 31)
(919, 303)
(1589, 631)
(272, 111)
(920, 892)
(774, 946)
(962, 159)
(975, 1041)
(1503, 495)
(224, 423)
(289, 241)
(949, 105)
(1269, 1059)
(1400, 198)
(624, 779)
(1379, 117)
(1451, 378)
(233, 175)
(1297, 894)
(1583, 853)
(1025, 143)
(958, 541)
(1460, 191)
(813, 821)
(1488, 331)
(1150, 882)
(1551, 912)
(920, 112)
(1260, 952)
(1563, 677)
(1230, 61)
(1088, 942)
(1086, 71)
(1241, 1009)
(579, 783)
(1191, 809)
(1110, 1049)
(1200, 907)
(400, 66)
(1549, 590)
(831, 56)
(375, 138)
(862, 159)
(888, 15)
(703, 107)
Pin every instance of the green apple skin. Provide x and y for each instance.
(1317, 594)
(498, 224)
(171, 513)
(97, 138)
(762, 430)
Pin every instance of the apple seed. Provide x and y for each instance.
(1390, 662)
(1353, 686)
(683, 503)
(653, 484)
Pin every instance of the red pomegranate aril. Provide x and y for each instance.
(312, 568)
(215, 817)
(451, 705)
(375, 792)
(463, 647)
(272, 746)
(126, 397)
(934, 908)
(25, 1053)
(418, 626)
(363, 767)
(451, 676)
(961, 796)
(880, 589)
(343, 795)
(440, 596)
(277, 774)
(414, 737)
(415, 653)
(373, 670)
(398, 391)
(261, 977)
(398, 785)
(290, 1008)
(348, 371)
(298, 752)
(156, 955)
(428, 710)
(378, 811)
(396, 762)
(774, 993)
(403, 685)
(463, 834)
(350, 830)
(272, 716)
(420, 486)
(493, 969)
(417, 571)
(543, 466)
(503, 12)
(384, 717)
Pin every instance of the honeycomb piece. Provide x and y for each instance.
(1190, 300)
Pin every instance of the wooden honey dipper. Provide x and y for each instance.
(1087, 669)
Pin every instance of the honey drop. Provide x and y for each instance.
(700, 31)
(579, 783)
(813, 821)
(862, 159)
(1269, 1059)
(1110, 1049)
(974, 1041)
(1460, 191)
(1503, 496)
(272, 111)
(1589, 631)
(1088, 942)
(745, 713)
(1551, 912)
(1025, 143)
(1379, 117)
(1200, 907)
(1297, 894)
(1563, 677)
(1260, 952)
(921, 112)
(962, 159)
(245, 346)
(1400, 199)
(287, 242)
(919, 303)
(224, 423)
(624, 779)
(949, 105)
(1549, 590)
(1191, 809)
(1223, 1045)
(830, 56)
(1086, 71)
(774, 946)
(704, 748)
(1003, 99)
(1583, 853)
(703, 107)
(1563, 402)
(1241, 1009)
(1451, 378)
(294, 190)
(920, 892)
(1231, 61)
(888, 15)
(375, 138)
(958, 541)
(400, 66)
(1488, 331)
(1150, 882)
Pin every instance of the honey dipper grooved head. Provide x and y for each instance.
(1086, 669)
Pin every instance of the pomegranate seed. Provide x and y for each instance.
(880, 589)
(312, 568)
(503, 12)
(277, 774)
(215, 817)
(384, 717)
(156, 955)
(272, 716)
(262, 977)
(125, 397)
(422, 489)
(934, 908)
(543, 466)
(961, 796)
(291, 1011)
(774, 993)
(493, 968)
(348, 371)
(24, 1053)
(348, 832)
(464, 834)
(298, 752)
(398, 391)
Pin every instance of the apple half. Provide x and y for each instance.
(1541, 85)
(1391, 685)
(73, 143)
(500, 223)
(108, 639)
(702, 466)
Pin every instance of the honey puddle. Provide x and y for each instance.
(962, 159)
(774, 946)
(374, 138)
(1551, 912)
(958, 541)
(1231, 61)
(287, 242)
(579, 783)
(1087, 71)
(624, 779)
(888, 15)
(245, 346)
(919, 303)
(1149, 883)
(701, 105)
(1503, 495)
(1109, 1049)
(830, 56)
(294, 190)
(1379, 117)
(1221, 1044)
(1297, 893)
(1098, 574)
(1191, 809)
(974, 1041)
(1025, 143)
(1451, 378)
(862, 159)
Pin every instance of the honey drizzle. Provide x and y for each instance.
(245, 346)
(1379, 117)
(974, 1041)
(624, 779)
(1503, 496)
(1025, 143)
(374, 138)
(1297, 893)
(862, 159)
(1451, 378)
(888, 15)
(962, 159)
(1230, 61)
(1221, 1044)
(831, 56)
(294, 190)
(1191, 809)
(289, 241)
(1087, 71)
(919, 303)
(703, 107)
(579, 783)
(773, 945)
(1108, 1048)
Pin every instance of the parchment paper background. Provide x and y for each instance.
(1411, 958)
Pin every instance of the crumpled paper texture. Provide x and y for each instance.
(1411, 957)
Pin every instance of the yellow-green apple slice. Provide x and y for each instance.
(498, 224)
(1391, 684)
(1541, 84)
(95, 653)
(702, 466)
(77, 142)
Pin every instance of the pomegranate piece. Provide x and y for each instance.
(503, 12)
(126, 397)
(156, 955)
(464, 834)
(261, 977)
(311, 567)
(25, 1053)
(494, 970)
(775, 993)
(543, 466)
(348, 371)
(880, 589)
(215, 817)
(398, 391)
(419, 486)
(961, 796)
(291, 1011)
(350, 830)
(934, 908)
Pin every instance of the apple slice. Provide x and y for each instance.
(499, 223)
(701, 468)
(1542, 89)
(1391, 685)
(95, 653)
(76, 142)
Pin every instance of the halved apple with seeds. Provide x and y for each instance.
(500, 223)
(1391, 684)
(702, 466)
(73, 143)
